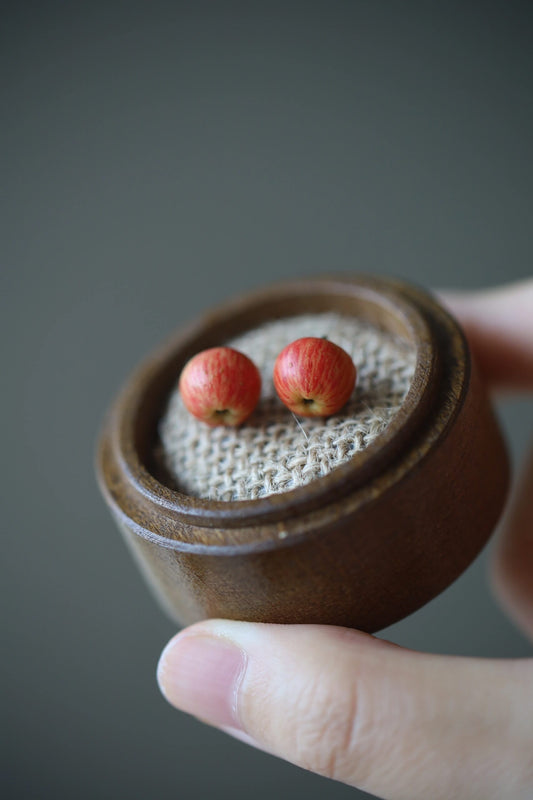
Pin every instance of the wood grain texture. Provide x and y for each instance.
(364, 546)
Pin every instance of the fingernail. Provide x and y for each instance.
(201, 675)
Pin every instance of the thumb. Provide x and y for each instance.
(348, 706)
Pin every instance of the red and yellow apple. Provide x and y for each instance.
(314, 377)
(220, 386)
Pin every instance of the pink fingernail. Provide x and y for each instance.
(201, 675)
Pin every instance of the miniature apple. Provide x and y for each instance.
(220, 386)
(314, 377)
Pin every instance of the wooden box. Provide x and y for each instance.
(363, 546)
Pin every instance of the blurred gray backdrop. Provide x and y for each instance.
(156, 159)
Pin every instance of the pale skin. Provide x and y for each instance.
(399, 724)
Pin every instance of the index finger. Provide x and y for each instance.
(499, 326)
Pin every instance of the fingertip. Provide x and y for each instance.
(200, 673)
(512, 563)
(498, 324)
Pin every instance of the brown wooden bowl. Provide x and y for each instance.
(365, 545)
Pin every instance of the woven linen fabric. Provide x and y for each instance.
(273, 451)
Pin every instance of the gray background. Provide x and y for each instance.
(158, 158)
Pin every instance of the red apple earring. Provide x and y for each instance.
(220, 386)
(314, 377)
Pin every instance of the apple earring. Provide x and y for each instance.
(220, 386)
(314, 377)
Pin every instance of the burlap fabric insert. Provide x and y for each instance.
(273, 451)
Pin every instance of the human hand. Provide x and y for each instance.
(396, 723)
